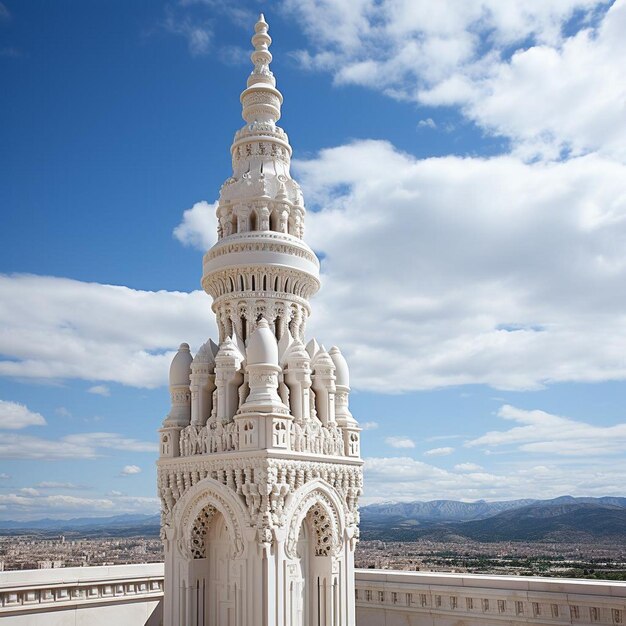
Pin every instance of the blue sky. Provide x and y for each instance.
(465, 174)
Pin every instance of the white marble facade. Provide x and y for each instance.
(260, 471)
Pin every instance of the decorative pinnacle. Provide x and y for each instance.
(261, 57)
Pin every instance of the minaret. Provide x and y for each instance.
(260, 469)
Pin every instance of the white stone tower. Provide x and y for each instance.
(260, 470)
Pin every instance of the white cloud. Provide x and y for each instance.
(404, 478)
(44, 503)
(55, 328)
(129, 470)
(78, 446)
(53, 484)
(516, 70)
(469, 270)
(14, 416)
(368, 425)
(467, 467)
(550, 434)
(439, 451)
(199, 226)
(100, 390)
(427, 123)
(29, 491)
(28, 505)
(400, 442)
(198, 33)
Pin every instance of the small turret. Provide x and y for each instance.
(202, 383)
(323, 383)
(180, 394)
(345, 420)
(180, 369)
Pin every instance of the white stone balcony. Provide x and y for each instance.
(120, 595)
(129, 595)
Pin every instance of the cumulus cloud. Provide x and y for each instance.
(61, 328)
(439, 451)
(405, 479)
(15, 416)
(130, 470)
(516, 70)
(400, 442)
(543, 432)
(28, 505)
(78, 446)
(100, 390)
(469, 270)
(198, 227)
(369, 425)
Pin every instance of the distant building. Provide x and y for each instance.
(260, 471)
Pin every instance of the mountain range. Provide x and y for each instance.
(560, 519)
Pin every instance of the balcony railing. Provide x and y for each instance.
(132, 594)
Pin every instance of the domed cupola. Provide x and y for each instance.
(342, 373)
(262, 346)
(180, 369)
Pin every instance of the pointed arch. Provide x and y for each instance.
(201, 502)
(320, 498)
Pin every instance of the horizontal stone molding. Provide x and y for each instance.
(392, 597)
(49, 590)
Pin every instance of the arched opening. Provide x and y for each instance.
(315, 584)
(209, 594)
(253, 221)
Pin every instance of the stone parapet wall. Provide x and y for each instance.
(131, 595)
(390, 598)
(121, 594)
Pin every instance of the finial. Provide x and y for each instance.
(261, 57)
(265, 108)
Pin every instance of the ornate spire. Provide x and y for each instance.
(261, 100)
(261, 57)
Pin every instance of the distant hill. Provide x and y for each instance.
(560, 519)
(437, 510)
(116, 525)
(578, 521)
